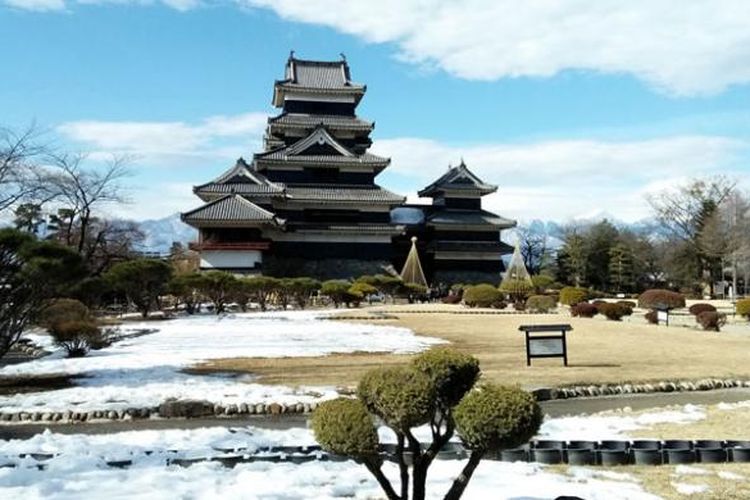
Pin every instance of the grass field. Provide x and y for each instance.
(600, 351)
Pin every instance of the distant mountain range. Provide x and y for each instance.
(159, 234)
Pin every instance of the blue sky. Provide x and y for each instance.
(573, 108)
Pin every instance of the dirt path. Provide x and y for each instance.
(552, 408)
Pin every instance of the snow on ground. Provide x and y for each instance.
(80, 470)
(79, 467)
(145, 370)
(611, 425)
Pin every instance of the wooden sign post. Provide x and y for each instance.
(546, 346)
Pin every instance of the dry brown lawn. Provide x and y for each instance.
(599, 351)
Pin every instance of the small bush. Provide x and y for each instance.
(661, 299)
(63, 310)
(344, 427)
(651, 317)
(519, 306)
(402, 396)
(452, 373)
(571, 295)
(494, 417)
(628, 306)
(541, 303)
(696, 309)
(613, 311)
(76, 337)
(584, 310)
(711, 320)
(500, 305)
(743, 308)
(484, 295)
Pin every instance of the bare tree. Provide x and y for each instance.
(533, 245)
(22, 178)
(85, 189)
(690, 216)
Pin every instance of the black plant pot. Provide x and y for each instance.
(646, 445)
(646, 456)
(548, 456)
(544, 444)
(679, 456)
(580, 456)
(514, 455)
(737, 444)
(613, 457)
(711, 455)
(677, 444)
(741, 455)
(583, 445)
(708, 443)
(614, 445)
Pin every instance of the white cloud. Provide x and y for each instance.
(683, 48)
(678, 47)
(218, 136)
(568, 179)
(59, 5)
(36, 5)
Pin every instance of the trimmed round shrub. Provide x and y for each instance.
(613, 311)
(651, 317)
(743, 308)
(452, 373)
(484, 295)
(402, 396)
(517, 289)
(76, 336)
(540, 303)
(343, 426)
(493, 417)
(519, 306)
(711, 320)
(572, 295)
(584, 310)
(63, 310)
(696, 309)
(542, 282)
(628, 306)
(661, 299)
(500, 305)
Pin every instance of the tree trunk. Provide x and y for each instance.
(381, 479)
(403, 468)
(459, 485)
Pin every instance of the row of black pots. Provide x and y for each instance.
(669, 444)
(622, 456)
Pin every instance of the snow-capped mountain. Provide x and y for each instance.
(161, 233)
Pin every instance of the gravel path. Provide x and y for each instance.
(554, 408)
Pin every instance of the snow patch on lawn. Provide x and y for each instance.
(690, 489)
(615, 426)
(145, 370)
(688, 470)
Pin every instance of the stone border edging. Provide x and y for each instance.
(167, 410)
(603, 390)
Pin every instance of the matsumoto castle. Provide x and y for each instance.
(308, 204)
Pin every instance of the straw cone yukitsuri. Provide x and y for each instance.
(308, 203)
